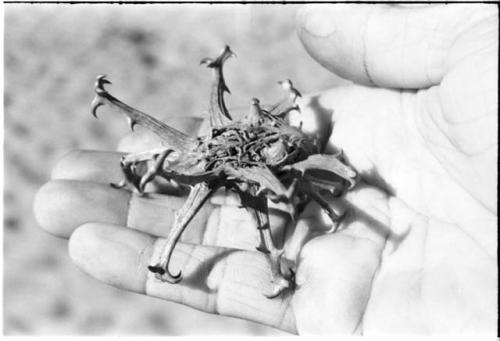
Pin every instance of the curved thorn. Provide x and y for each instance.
(99, 83)
(353, 181)
(278, 289)
(206, 61)
(173, 278)
(169, 135)
(96, 103)
(164, 275)
(335, 226)
(228, 50)
(336, 220)
(262, 249)
(196, 198)
(140, 189)
(99, 90)
(274, 293)
(142, 184)
(219, 115)
(225, 54)
(159, 160)
(131, 123)
(156, 269)
(339, 154)
(285, 283)
(119, 185)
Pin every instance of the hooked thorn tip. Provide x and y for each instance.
(206, 61)
(100, 81)
(228, 50)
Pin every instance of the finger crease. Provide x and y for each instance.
(285, 306)
(222, 281)
(143, 261)
(129, 209)
(365, 39)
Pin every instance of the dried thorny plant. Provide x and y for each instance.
(260, 157)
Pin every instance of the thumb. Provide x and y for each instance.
(394, 46)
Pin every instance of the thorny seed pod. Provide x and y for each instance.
(261, 157)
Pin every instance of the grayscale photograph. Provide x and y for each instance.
(250, 169)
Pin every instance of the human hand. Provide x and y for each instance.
(222, 271)
(424, 129)
(339, 289)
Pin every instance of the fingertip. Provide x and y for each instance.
(62, 205)
(78, 243)
(46, 206)
(112, 254)
(333, 36)
(396, 47)
(88, 165)
(60, 170)
(138, 141)
(315, 20)
(331, 275)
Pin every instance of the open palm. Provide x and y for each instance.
(416, 252)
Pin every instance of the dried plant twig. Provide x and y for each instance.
(260, 157)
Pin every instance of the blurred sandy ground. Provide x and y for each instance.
(151, 53)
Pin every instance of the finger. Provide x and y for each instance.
(89, 165)
(364, 211)
(104, 167)
(336, 271)
(215, 280)
(228, 225)
(138, 141)
(334, 283)
(367, 215)
(60, 206)
(402, 47)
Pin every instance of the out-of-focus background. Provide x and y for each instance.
(151, 53)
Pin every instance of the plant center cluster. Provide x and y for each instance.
(244, 145)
